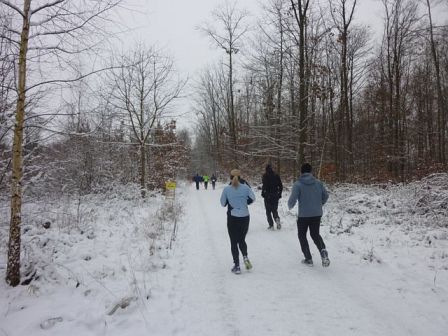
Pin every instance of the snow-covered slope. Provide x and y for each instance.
(388, 276)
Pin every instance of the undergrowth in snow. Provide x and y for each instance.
(413, 215)
(94, 250)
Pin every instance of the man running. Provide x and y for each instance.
(311, 195)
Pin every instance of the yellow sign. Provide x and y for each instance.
(170, 185)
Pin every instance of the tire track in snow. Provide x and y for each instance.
(201, 298)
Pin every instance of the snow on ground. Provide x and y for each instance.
(388, 247)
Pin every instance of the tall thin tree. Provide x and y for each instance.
(59, 30)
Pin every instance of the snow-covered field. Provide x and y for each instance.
(104, 267)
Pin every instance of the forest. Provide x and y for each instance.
(310, 82)
(304, 82)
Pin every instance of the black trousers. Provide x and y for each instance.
(237, 228)
(197, 185)
(303, 223)
(205, 184)
(271, 206)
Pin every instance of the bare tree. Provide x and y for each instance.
(273, 56)
(342, 12)
(441, 106)
(49, 31)
(6, 95)
(211, 108)
(401, 19)
(301, 10)
(144, 88)
(228, 36)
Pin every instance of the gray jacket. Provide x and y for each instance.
(311, 195)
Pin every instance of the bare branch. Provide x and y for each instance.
(10, 5)
(47, 5)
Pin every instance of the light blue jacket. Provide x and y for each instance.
(237, 199)
(311, 195)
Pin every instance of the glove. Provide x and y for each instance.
(249, 200)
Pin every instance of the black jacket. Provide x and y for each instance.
(272, 186)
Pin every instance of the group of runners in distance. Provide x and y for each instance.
(309, 192)
(204, 178)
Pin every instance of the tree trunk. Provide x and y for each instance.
(279, 96)
(232, 121)
(13, 267)
(300, 14)
(441, 108)
(143, 170)
(142, 147)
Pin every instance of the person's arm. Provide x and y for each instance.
(247, 183)
(263, 186)
(224, 200)
(295, 193)
(251, 197)
(324, 194)
(280, 186)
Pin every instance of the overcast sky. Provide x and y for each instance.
(171, 24)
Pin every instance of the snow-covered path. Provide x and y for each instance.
(198, 295)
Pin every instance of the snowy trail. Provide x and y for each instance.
(280, 296)
(388, 274)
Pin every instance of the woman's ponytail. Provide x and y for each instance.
(235, 175)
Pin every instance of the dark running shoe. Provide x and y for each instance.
(279, 225)
(271, 227)
(236, 269)
(325, 260)
(308, 262)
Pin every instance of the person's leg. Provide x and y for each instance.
(302, 228)
(232, 228)
(314, 233)
(267, 206)
(274, 207)
(243, 226)
(197, 185)
(317, 238)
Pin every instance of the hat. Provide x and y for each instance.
(306, 168)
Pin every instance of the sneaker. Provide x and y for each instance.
(236, 269)
(247, 263)
(325, 260)
(308, 262)
(271, 227)
(279, 225)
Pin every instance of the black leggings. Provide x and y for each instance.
(271, 206)
(302, 226)
(238, 227)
